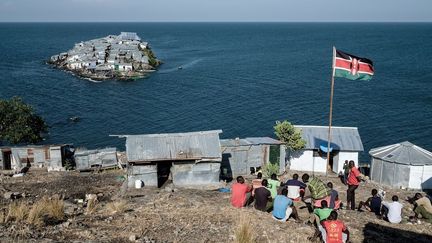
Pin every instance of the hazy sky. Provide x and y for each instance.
(215, 10)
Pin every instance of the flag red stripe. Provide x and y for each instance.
(363, 67)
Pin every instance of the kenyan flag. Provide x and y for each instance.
(352, 67)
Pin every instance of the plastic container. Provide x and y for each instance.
(138, 184)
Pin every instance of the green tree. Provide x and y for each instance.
(289, 135)
(19, 123)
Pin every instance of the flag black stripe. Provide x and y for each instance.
(347, 56)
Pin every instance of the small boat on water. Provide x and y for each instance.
(74, 118)
(180, 67)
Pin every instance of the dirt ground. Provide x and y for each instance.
(173, 214)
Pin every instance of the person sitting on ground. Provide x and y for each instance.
(240, 193)
(392, 212)
(257, 183)
(334, 230)
(320, 214)
(423, 207)
(294, 187)
(263, 199)
(274, 183)
(315, 190)
(283, 207)
(332, 200)
(372, 204)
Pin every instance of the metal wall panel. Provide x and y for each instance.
(195, 174)
(376, 170)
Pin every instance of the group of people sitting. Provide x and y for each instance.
(284, 199)
(392, 211)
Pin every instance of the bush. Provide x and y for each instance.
(269, 169)
(289, 135)
(19, 123)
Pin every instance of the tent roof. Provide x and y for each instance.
(403, 153)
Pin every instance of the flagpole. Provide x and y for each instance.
(331, 109)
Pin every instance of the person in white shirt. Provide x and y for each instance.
(392, 212)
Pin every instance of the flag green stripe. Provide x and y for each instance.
(346, 74)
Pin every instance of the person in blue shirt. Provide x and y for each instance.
(372, 204)
(283, 207)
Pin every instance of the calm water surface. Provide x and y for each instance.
(237, 77)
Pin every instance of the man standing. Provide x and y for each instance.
(240, 193)
(353, 182)
(283, 207)
(263, 199)
(392, 212)
(346, 171)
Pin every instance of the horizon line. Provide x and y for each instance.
(197, 22)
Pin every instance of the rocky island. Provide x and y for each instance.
(123, 57)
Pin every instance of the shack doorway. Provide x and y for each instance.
(7, 159)
(163, 172)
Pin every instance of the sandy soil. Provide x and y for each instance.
(175, 215)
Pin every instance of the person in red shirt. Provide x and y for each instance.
(353, 182)
(334, 230)
(240, 193)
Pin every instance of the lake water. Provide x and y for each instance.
(238, 77)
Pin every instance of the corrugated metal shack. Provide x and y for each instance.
(239, 156)
(189, 159)
(52, 157)
(98, 158)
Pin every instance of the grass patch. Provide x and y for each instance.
(244, 232)
(117, 207)
(17, 211)
(92, 205)
(46, 211)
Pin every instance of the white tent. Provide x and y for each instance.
(402, 165)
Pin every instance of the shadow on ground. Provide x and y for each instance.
(381, 233)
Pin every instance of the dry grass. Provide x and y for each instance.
(92, 205)
(36, 214)
(17, 211)
(53, 209)
(244, 232)
(2, 215)
(117, 206)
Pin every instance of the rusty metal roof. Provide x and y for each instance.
(202, 145)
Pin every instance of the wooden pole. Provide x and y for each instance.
(331, 109)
